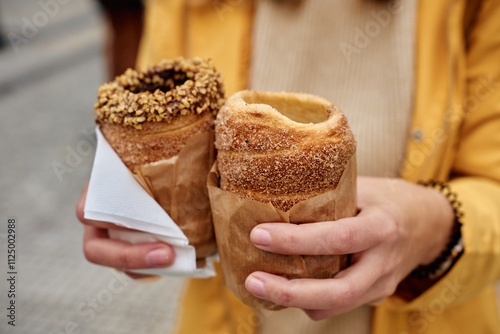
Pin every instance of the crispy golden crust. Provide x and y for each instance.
(281, 147)
(160, 93)
(155, 141)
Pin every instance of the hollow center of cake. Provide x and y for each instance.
(298, 110)
(164, 81)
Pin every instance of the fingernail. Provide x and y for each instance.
(260, 237)
(158, 257)
(255, 286)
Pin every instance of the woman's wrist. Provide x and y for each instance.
(454, 247)
(437, 264)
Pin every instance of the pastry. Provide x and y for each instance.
(281, 148)
(282, 157)
(149, 117)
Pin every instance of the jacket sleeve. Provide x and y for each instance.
(476, 170)
(477, 164)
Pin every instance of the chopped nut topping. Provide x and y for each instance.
(159, 93)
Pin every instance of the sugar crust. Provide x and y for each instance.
(269, 152)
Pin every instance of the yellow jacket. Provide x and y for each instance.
(455, 136)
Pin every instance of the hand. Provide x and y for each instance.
(100, 249)
(399, 226)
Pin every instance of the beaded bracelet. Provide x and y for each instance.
(455, 247)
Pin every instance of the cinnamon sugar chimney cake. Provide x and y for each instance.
(282, 157)
(281, 147)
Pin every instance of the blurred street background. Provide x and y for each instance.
(51, 65)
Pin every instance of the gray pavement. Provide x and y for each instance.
(48, 82)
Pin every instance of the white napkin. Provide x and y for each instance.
(115, 196)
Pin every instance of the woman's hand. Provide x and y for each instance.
(400, 226)
(100, 249)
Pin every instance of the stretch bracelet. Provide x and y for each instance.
(455, 247)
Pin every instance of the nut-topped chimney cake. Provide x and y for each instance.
(164, 115)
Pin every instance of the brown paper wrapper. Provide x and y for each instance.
(179, 185)
(234, 217)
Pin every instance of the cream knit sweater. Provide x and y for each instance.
(359, 54)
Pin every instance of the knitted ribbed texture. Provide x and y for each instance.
(359, 54)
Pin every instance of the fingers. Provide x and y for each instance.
(349, 290)
(344, 236)
(99, 249)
